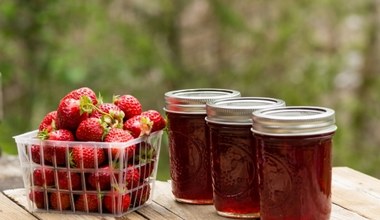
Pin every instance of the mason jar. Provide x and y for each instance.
(189, 150)
(233, 154)
(294, 157)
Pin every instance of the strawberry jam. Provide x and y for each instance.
(294, 162)
(189, 150)
(233, 150)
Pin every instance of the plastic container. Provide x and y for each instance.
(294, 157)
(98, 185)
(233, 150)
(189, 149)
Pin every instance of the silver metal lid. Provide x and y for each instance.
(294, 121)
(193, 101)
(238, 111)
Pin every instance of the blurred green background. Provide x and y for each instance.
(305, 52)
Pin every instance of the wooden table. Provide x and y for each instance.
(354, 196)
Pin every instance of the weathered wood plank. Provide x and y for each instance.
(356, 192)
(11, 211)
(164, 197)
(354, 196)
(157, 212)
(340, 213)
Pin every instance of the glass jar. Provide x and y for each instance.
(294, 158)
(189, 151)
(233, 153)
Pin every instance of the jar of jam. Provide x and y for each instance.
(189, 150)
(294, 158)
(233, 153)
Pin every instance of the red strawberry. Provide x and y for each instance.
(132, 177)
(43, 176)
(141, 195)
(87, 156)
(70, 113)
(120, 135)
(157, 119)
(60, 201)
(128, 104)
(102, 179)
(65, 181)
(52, 153)
(35, 152)
(146, 169)
(87, 202)
(75, 107)
(48, 122)
(91, 129)
(110, 113)
(113, 204)
(138, 125)
(38, 197)
(84, 91)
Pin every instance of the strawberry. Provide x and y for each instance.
(130, 105)
(159, 122)
(86, 156)
(70, 113)
(87, 202)
(65, 181)
(141, 195)
(116, 201)
(101, 179)
(38, 197)
(53, 153)
(75, 107)
(60, 200)
(146, 169)
(138, 125)
(91, 129)
(120, 135)
(48, 122)
(132, 177)
(35, 152)
(43, 176)
(110, 113)
(84, 91)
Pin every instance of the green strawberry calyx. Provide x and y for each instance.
(145, 126)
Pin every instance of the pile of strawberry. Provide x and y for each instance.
(83, 165)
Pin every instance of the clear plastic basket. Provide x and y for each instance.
(98, 183)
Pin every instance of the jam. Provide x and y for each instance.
(296, 177)
(233, 155)
(189, 149)
(234, 171)
(294, 148)
(190, 158)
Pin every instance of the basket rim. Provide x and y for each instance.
(30, 137)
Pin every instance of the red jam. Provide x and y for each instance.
(189, 158)
(294, 146)
(189, 149)
(295, 177)
(234, 171)
(233, 153)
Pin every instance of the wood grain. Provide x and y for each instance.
(357, 192)
(10, 211)
(355, 196)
